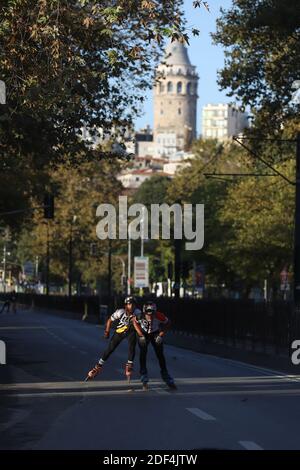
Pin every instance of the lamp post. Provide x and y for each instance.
(129, 265)
(296, 100)
(71, 256)
(4, 266)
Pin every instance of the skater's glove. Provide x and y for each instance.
(142, 340)
(158, 340)
(106, 334)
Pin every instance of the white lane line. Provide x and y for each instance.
(83, 393)
(201, 414)
(22, 327)
(250, 445)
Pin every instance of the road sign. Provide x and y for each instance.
(2, 92)
(141, 272)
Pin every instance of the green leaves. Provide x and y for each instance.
(261, 41)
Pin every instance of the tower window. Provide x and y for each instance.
(189, 88)
(170, 87)
(179, 110)
(161, 88)
(179, 87)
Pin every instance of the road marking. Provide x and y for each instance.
(22, 328)
(201, 414)
(250, 445)
(64, 385)
(83, 393)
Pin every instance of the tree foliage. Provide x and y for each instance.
(262, 50)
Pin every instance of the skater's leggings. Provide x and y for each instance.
(159, 351)
(116, 340)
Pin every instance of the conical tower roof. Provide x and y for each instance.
(179, 54)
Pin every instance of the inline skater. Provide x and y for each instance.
(154, 325)
(127, 327)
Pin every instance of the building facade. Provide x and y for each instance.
(222, 121)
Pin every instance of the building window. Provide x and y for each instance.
(179, 110)
(170, 87)
(161, 88)
(179, 87)
(189, 88)
(161, 111)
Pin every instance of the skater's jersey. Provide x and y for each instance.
(154, 324)
(123, 320)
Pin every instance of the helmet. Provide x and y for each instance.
(130, 300)
(149, 308)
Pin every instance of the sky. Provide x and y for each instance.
(207, 57)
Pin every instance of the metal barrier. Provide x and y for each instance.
(234, 322)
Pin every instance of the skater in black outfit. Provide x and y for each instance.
(127, 327)
(154, 325)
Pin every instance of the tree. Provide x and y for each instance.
(259, 216)
(78, 192)
(70, 65)
(190, 185)
(67, 64)
(262, 49)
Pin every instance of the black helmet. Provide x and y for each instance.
(130, 300)
(149, 307)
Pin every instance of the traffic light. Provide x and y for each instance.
(49, 206)
(170, 270)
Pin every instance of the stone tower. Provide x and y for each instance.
(175, 101)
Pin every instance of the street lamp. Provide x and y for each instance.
(2, 92)
(129, 264)
(296, 100)
(71, 255)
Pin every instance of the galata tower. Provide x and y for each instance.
(175, 100)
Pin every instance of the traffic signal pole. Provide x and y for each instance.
(47, 260)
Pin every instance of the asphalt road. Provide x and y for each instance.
(219, 404)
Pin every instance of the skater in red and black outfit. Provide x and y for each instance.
(154, 325)
(127, 327)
